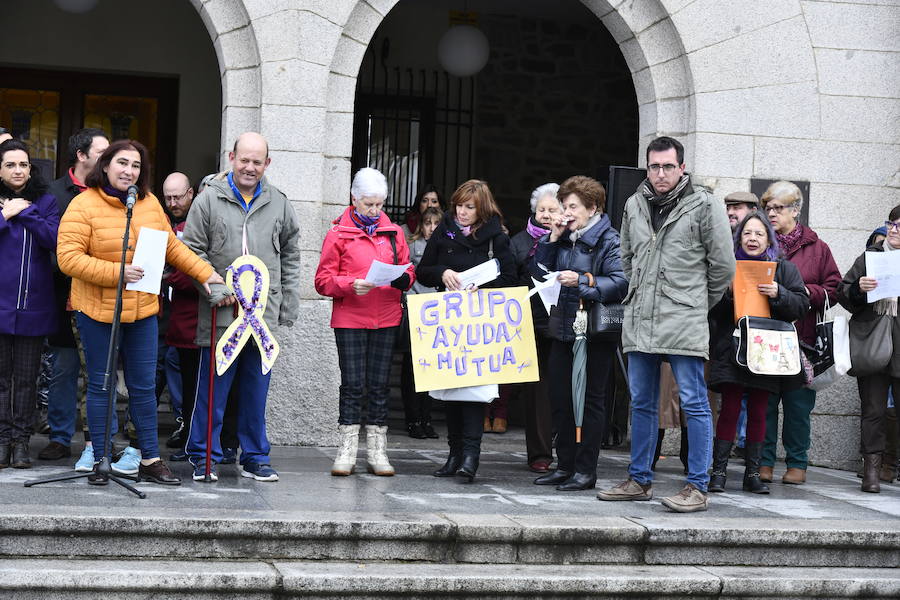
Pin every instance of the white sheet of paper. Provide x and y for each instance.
(149, 253)
(885, 268)
(548, 290)
(383, 274)
(473, 393)
(478, 275)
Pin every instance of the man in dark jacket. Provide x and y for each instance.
(85, 147)
(678, 256)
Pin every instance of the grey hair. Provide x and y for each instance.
(786, 191)
(548, 189)
(369, 183)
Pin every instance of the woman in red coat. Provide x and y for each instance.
(364, 316)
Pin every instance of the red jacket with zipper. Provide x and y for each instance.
(347, 254)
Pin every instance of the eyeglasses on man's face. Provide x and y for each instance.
(892, 226)
(667, 168)
(176, 199)
(776, 208)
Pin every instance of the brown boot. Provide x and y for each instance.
(487, 425)
(499, 425)
(794, 476)
(766, 474)
(871, 467)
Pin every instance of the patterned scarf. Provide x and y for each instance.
(465, 230)
(367, 224)
(790, 242)
(667, 199)
(536, 232)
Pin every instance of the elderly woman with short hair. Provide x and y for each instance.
(364, 316)
(782, 204)
(545, 206)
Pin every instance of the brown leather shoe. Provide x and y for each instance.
(54, 451)
(871, 467)
(157, 472)
(487, 425)
(499, 425)
(794, 476)
(766, 474)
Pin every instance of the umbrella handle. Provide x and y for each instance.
(578, 435)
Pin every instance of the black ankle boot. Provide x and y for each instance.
(468, 467)
(20, 458)
(554, 477)
(5, 452)
(450, 467)
(721, 450)
(752, 482)
(578, 482)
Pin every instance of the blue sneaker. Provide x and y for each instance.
(200, 472)
(229, 456)
(128, 463)
(259, 472)
(85, 464)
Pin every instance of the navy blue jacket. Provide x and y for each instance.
(596, 252)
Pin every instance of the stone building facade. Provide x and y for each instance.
(796, 89)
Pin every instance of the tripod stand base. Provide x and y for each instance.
(102, 468)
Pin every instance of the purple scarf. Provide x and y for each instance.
(536, 232)
(367, 224)
(464, 230)
(111, 191)
(770, 254)
(790, 242)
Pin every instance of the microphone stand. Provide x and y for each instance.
(103, 467)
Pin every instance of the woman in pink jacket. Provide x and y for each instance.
(365, 317)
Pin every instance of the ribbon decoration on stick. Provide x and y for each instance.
(249, 278)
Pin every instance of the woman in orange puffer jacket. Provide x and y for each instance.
(89, 249)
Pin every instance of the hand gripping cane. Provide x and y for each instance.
(209, 396)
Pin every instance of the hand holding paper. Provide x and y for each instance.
(149, 254)
(884, 267)
(383, 274)
(478, 275)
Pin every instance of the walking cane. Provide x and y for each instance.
(209, 396)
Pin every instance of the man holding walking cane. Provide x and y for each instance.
(239, 214)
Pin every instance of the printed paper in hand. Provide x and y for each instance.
(478, 275)
(548, 290)
(885, 268)
(383, 274)
(149, 253)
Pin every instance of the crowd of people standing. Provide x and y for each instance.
(670, 267)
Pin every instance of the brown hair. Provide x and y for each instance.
(478, 192)
(895, 213)
(430, 214)
(588, 190)
(97, 178)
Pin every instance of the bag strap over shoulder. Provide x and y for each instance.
(392, 235)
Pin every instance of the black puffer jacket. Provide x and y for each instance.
(791, 304)
(596, 252)
(521, 244)
(448, 248)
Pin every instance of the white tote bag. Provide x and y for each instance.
(841, 329)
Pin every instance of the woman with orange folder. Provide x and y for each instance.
(786, 299)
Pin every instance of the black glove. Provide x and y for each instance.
(401, 283)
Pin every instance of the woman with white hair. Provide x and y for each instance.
(538, 417)
(365, 317)
(782, 204)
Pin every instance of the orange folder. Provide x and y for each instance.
(747, 299)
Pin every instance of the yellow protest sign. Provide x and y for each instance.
(465, 338)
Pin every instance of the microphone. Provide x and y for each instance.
(132, 197)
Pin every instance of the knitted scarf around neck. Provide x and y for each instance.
(667, 199)
(790, 242)
(595, 218)
(367, 224)
(536, 231)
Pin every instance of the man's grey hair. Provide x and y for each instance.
(368, 183)
(548, 189)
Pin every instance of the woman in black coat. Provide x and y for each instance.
(584, 248)
(470, 233)
(788, 301)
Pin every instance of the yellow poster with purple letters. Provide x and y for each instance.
(464, 338)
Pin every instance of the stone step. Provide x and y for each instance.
(453, 538)
(52, 579)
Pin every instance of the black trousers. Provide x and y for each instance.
(538, 412)
(189, 363)
(580, 458)
(465, 426)
(416, 405)
(873, 394)
(20, 364)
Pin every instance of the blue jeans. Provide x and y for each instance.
(62, 399)
(137, 347)
(643, 383)
(173, 379)
(253, 387)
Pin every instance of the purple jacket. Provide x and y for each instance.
(27, 242)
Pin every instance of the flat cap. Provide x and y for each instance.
(742, 198)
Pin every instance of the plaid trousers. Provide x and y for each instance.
(20, 365)
(364, 356)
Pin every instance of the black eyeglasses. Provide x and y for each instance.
(174, 199)
(892, 226)
(667, 168)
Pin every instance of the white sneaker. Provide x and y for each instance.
(85, 463)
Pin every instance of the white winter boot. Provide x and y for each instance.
(376, 450)
(346, 454)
